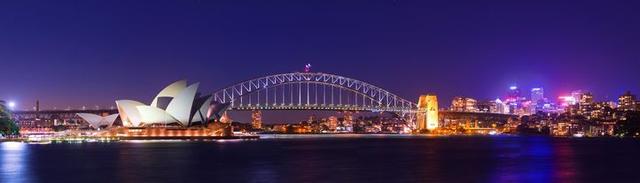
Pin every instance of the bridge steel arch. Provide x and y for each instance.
(309, 91)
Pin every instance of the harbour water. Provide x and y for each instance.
(342, 158)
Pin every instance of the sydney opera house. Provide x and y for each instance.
(177, 104)
(177, 111)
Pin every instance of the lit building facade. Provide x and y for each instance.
(348, 121)
(586, 99)
(489, 106)
(537, 95)
(256, 119)
(627, 102)
(332, 123)
(576, 95)
(514, 100)
(567, 100)
(585, 104)
(464, 104)
(514, 93)
(501, 107)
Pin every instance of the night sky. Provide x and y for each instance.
(85, 52)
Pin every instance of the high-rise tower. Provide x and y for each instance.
(537, 94)
(256, 119)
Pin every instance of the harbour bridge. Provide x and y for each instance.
(322, 91)
(311, 91)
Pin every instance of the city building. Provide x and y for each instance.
(464, 104)
(586, 98)
(577, 96)
(457, 104)
(256, 119)
(488, 106)
(333, 123)
(347, 123)
(514, 100)
(176, 104)
(586, 104)
(627, 102)
(537, 95)
(514, 93)
(603, 111)
(501, 107)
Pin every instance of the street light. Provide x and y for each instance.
(12, 105)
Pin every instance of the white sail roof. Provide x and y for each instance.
(170, 91)
(178, 108)
(97, 121)
(154, 115)
(129, 112)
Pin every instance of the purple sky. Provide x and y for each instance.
(75, 53)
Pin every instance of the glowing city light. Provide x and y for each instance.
(12, 146)
(567, 100)
(513, 88)
(12, 105)
(307, 68)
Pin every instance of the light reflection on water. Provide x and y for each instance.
(307, 159)
(536, 159)
(524, 161)
(14, 160)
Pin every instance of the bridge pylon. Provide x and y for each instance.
(427, 114)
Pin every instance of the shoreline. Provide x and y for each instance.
(280, 136)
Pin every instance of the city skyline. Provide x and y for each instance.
(88, 57)
(528, 95)
(319, 91)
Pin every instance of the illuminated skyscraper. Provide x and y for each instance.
(537, 94)
(567, 100)
(537, 100)
(585, 104)
(514, 93)
(256, 119)
(577, 95)
(501, 107)
(514, 100)
(427, 117)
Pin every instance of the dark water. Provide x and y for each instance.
(345, 159)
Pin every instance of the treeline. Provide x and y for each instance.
(7, 124)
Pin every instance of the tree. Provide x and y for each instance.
(4, 112)
(629, 126)
(7, 125)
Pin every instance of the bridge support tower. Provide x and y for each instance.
(427, 115)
